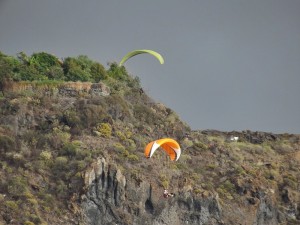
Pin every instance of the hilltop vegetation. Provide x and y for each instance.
(47, 142)
(43, 66)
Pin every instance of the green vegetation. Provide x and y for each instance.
(43, 66)
(105, 130)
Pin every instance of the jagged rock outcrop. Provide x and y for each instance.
(113, 199)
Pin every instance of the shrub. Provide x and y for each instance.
(60, 163)
(61, 189)
(200, 145)
(119, 147)
(32, 201)
(228, 186)
(125, 153)
(130, 144)
(70, 149)
(9, 67)
(290, 181)
(135, 84)
(187, 143)
(44, 61)
(105, 130)
(35, 218)
(77, 69)
(145, 114)
(30, 73)
(11, 205)
(208, 186)
(118, 73)
(184, 158)
(211, 166)
(195, 176)
(81, 165)
(133, 157)
(171, 118)
(58, 137)
(118, 108)
(226, 190)
(98, 72)
(121, 135)
(239, 170)
(56, 73)
(283, 148)
(6, 143)
(71, 118)
(17, 186)
(164, 180)
(46, 156)
(16, 158)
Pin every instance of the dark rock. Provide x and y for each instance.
(113, 198)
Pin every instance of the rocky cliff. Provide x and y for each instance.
(70, 156)
(112, 198)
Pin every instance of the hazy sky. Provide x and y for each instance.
(229, 65)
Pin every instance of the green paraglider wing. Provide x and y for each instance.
(137, 52)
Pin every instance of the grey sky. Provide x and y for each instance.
(229, 65)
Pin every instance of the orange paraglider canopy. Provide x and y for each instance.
(170, 146)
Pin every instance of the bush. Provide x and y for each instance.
(105, 130)
(199, 145)
(133, 157)
(145, 114)
(98, 72)
(31, 73)
(58, 137)
(47, 66)
(118, 108)
(117, 72)
(60, 163)
(121, 135)
(6, 143)
(69, 149)
(71, 119)
(130, 145)
(17, 186)
(11, 205)
(135, 84)
(44, 61)
(119, 147)
(46, 156)
(77, 69)
(61, 189)
(164, 181)
(36, 219)
(226, 190)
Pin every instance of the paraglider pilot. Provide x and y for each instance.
(167, 194)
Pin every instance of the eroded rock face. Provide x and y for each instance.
(113, 199)
(266, 213)
(66, 89)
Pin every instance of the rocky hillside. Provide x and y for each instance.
(72, 153)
